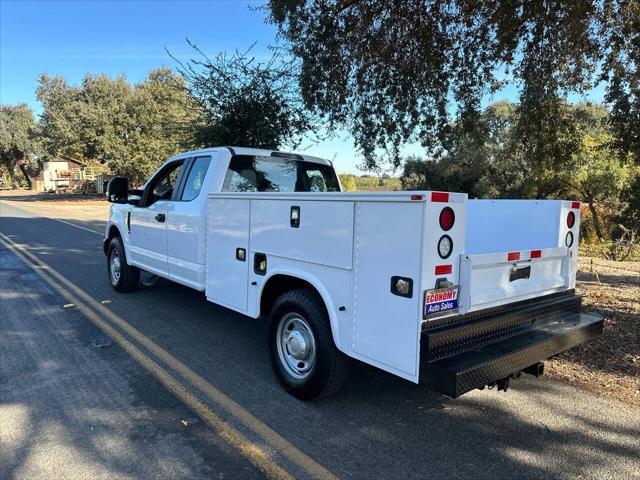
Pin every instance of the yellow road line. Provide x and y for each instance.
(247, 448)
(271, 437)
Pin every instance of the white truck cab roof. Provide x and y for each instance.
(253, 151)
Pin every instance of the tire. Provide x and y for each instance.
(128, 277)
(303, 354)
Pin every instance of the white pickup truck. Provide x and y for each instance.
(432, 287)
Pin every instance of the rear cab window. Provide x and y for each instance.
(253, 173)
(195, 179)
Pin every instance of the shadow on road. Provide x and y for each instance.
(71, 409)
(378, 426)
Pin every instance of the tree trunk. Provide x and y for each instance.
(596, 220)
(26, 176)
(12, 178)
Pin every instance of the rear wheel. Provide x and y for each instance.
(303, 353)
(122, 276)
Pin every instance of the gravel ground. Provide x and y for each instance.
(610, 365)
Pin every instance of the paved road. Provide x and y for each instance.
(74, 406)
(377, 427)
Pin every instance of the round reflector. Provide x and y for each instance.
(445, 246)
(568, 240)
(447, 218)
(571, 219)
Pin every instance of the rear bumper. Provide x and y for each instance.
(492, 345)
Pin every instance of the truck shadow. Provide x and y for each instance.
(378, 426)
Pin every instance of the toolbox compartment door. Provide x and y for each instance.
(386, 327)
(493, 279)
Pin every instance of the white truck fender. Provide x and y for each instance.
(117, 219)
(320, 288)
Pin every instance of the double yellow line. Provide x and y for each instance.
(106, 320)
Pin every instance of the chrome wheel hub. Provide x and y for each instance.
(296, 345)
(116, 267)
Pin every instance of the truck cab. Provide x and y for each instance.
(432, 287)
(163, 227)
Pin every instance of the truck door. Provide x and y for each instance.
(186, 226)
(148, 236)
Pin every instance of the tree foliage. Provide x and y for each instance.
(488, 160)
(389, 70)
(481, 159)
(19, 145)
(622, 73)
(133, 128)
(631, 195)
(597, 175)
(348, 182)
(244, 101)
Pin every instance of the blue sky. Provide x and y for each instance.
(72, 38)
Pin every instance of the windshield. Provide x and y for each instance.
(249, 173)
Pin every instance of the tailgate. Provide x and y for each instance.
(493, 279)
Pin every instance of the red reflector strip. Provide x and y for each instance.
(416, 197)
(511, 256)
(575, 205)
(536, 253)
(439, 197)
(443, 269)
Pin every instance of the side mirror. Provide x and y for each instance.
(134, 199)
(118, 190)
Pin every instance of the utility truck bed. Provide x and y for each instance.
(430, 286)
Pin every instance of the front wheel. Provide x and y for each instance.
(122, 276)
(303, 353)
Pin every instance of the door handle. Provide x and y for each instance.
(161, 217)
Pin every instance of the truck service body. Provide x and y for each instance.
(429, 286)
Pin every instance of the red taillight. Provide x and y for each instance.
(575, 205)
(536, 253)
(447, 218)
(443, 269)
(571, 219)
(439, 197)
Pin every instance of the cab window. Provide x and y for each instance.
(162, 185)
(248, 173)
(195, 180)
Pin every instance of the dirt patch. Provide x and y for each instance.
(609, 365)
(86, 211)
(31, 196)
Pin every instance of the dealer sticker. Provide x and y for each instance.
(440, 301)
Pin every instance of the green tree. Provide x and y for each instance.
(166, 121)
(480, 157)
(390, 70)
(132, 128)
(622, 73)
(348, 182)
(18, 141)
(597, 175)
(631, 214)
(246, 102)
(421, 174)
(488, 159)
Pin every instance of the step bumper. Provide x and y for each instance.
(458, 374)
